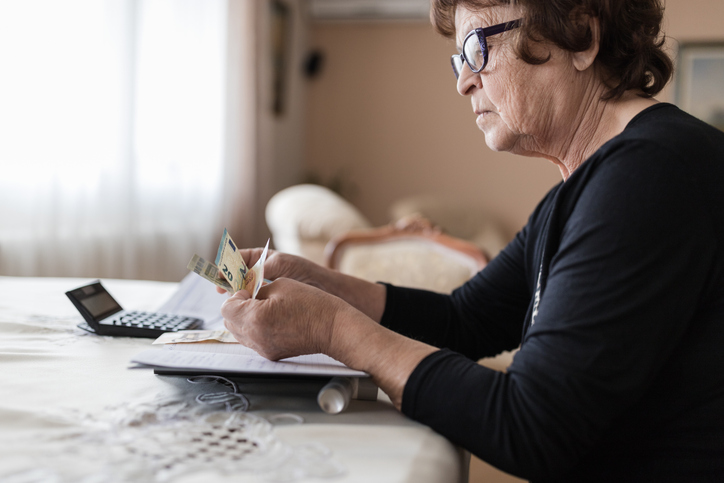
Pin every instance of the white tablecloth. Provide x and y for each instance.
(72, 410)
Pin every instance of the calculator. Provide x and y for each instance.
(104, 316)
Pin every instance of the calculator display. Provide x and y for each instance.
(94, 301)
(100, 303)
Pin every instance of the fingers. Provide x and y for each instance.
(241, 295)
(235, 315)
(247, 320)
(288, 318)
(233, 308)
(252, 255)
(285, 320)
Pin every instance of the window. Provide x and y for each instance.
(113, 124)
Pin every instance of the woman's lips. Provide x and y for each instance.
(481, 114)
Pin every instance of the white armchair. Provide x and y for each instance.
(303, 218)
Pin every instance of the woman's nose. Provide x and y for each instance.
(467, 80)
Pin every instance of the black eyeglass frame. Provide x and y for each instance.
(482, 34)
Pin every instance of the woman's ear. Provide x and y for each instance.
(584, 59)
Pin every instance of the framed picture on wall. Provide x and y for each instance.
(700, 81)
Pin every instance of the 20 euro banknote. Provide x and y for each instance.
(230, 271)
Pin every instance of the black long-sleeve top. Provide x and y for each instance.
(614, 291)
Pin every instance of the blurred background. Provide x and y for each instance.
(133, 131)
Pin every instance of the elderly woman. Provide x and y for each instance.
(614, 290)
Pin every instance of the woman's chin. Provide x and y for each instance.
(500, 142)
(498, 137)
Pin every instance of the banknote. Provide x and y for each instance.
(209, 271)
(190, 336)
(231, 263)
(230, 272)
(255, 277)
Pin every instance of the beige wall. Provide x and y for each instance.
(385, 113)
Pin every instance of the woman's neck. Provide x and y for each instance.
(598, 124)
(592, 123)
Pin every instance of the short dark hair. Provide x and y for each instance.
(631, 47)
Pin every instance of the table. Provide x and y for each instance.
(72, 410)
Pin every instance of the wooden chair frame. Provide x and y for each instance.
(410, 227)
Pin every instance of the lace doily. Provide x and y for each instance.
(169, 437)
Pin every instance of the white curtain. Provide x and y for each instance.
(114, 139)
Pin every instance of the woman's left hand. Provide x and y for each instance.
(288, 318)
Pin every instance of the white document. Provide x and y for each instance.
(236, 358)
(197, 297)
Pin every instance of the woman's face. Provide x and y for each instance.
(518, 106)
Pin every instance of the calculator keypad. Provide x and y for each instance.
(156, 321)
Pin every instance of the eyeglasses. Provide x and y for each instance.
(475, 47)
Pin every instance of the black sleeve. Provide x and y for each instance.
(482, 318)
(632, 263)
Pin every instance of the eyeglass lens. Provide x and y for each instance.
(457, 65)
(474, 52)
